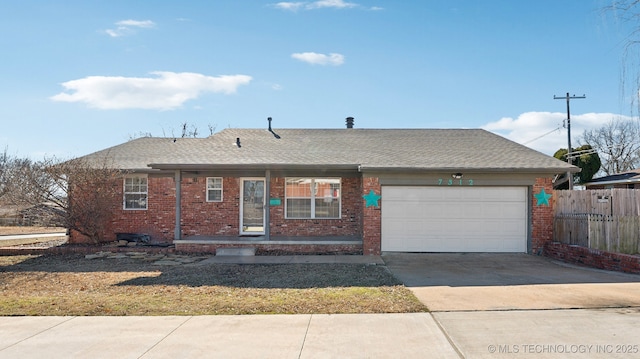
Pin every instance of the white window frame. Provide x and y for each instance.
(314, 196)
(215, 189)
(144, 193)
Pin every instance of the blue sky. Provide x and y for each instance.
(80, 76)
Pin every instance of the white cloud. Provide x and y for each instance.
(291, 6)
(545, 131)
(319, 59)
(136, 23)
(320, 4)
(127, 27)
(339, 4)
(165, 91)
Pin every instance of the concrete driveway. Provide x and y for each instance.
(489, 282)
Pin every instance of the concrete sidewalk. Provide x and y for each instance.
(32, 236)
(588, 333)
(257, 336)
(582, 333)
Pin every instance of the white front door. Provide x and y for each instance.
(252, 204)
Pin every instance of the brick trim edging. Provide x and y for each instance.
(593, 257)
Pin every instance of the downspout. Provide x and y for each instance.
(267, 206)
(177, 235)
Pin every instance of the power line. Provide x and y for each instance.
(539, 137)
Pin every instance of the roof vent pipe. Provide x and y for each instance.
(349, 122)
(270, 130)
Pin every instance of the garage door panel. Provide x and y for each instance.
(454, 219)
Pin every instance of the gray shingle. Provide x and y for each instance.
(372, 149)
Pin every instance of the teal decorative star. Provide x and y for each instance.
(542, 197)
(371, 198)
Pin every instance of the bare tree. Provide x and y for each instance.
(212, 129)
(187, 130)
(5, 162)
(86, 192)
(139, 134)
(628, 12)
(618, 145)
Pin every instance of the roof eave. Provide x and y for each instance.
(627, 181)
(265, 166)
(550, 171)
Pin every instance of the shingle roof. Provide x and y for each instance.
(622, 177)
(367, 149)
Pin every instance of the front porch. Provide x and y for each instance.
(275, 245)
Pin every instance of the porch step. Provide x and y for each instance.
(248, 251)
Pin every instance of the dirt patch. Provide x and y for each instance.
(122, 285)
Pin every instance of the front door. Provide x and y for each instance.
(252, 206)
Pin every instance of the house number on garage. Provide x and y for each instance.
(456, 182)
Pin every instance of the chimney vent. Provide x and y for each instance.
(349, 122)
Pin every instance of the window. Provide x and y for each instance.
(214, 189)
(312, 198)
(135, 192)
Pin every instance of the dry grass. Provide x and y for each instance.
(73, 285)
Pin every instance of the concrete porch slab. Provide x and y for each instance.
(246, 251)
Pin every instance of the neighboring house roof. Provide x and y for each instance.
(363, 149)
(628, 177)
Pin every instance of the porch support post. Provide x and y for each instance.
(267, 206)
(178, 182)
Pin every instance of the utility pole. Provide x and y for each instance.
(569, 157)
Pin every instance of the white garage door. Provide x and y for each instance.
(454, 219)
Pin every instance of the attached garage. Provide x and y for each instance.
(454, 219)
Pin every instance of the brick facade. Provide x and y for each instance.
(372, 227)
(542, 226)
(275, 249)
(202, 218)
(222, 219)
(348, 225)
(593, 257)
(158, 221)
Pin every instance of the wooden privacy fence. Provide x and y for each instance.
(613, 202)
(608, 220)
(620, 234)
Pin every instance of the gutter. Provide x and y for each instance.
(468, 170)
(266, 166)
(629, 181)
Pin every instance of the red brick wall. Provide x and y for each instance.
(277, 249)
(593, 257)
(157, 221)
(200, 217)
(348, 225)
(372, 219)
(542, 231)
